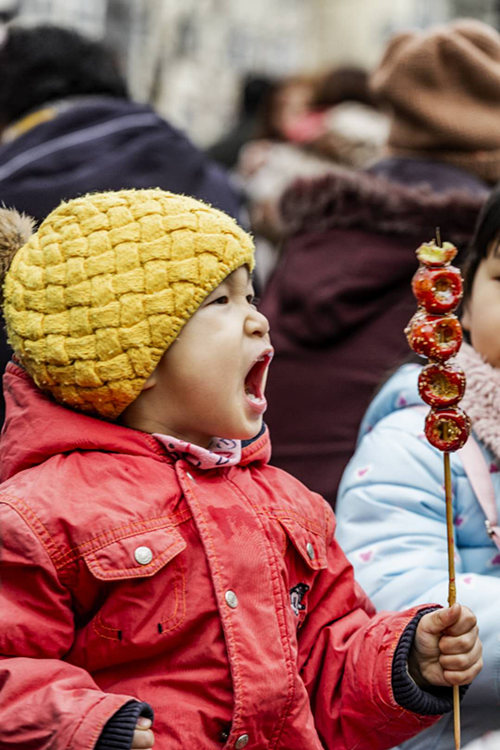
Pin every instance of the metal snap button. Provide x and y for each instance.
(231, 601)
(310, 551)
(143, 555)
(190, 476)
(242, 741)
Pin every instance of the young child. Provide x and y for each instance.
(391, 507)
(152, 560)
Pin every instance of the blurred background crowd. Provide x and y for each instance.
(172, 51)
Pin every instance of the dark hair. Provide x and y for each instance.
(487, 230)
(269, 104)
(44, 63)
(255, 88)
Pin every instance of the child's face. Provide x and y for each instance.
(211, 380)
(481, 317)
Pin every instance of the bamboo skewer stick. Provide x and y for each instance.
(452, 586)
(433, 335)
(452, 589)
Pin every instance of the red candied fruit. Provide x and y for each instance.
(438, 289)
(432, 254)
(447, 429)
(441, 385)
(437, 337)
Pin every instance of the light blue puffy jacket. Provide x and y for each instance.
(392, 526)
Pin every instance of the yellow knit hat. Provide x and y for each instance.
(100, 291)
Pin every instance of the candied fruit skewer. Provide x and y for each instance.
(438, 288)
(436, 253)
(447, 429)
(437, 337)
(434, 332)
(441, 385)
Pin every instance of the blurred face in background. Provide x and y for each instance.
(291, 102)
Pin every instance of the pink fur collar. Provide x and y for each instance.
(482, 396)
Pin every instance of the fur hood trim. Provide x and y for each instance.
(15, 231)
(347, 199)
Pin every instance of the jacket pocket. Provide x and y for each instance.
(143, 583)
(304, 557)
(307, 541)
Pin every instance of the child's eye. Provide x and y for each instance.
(253, 300)
(222, 300)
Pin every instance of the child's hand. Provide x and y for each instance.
(446, 650)
(143, 735)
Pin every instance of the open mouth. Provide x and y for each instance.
(255, 379)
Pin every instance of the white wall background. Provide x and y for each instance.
(187, 57)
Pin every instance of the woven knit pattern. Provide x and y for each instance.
(98, 294)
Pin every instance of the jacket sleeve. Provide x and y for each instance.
(346, 659)
(392, 525)
(45, 701)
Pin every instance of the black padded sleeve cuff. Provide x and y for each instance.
(428, 702)
(119, 730)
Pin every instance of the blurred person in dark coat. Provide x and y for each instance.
(340, 297)
(68, 127)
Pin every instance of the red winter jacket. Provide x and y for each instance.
(220, 597)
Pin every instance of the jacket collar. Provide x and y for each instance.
(36, 428)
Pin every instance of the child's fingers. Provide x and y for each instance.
(143, 739)
(459, 644)
(465, 622)
(455, 620)
(462, 661)
(441, 619)
(463, 676)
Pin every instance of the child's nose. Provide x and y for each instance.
(257, 324)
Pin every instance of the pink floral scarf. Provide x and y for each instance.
(220, 452)
(482, 396)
